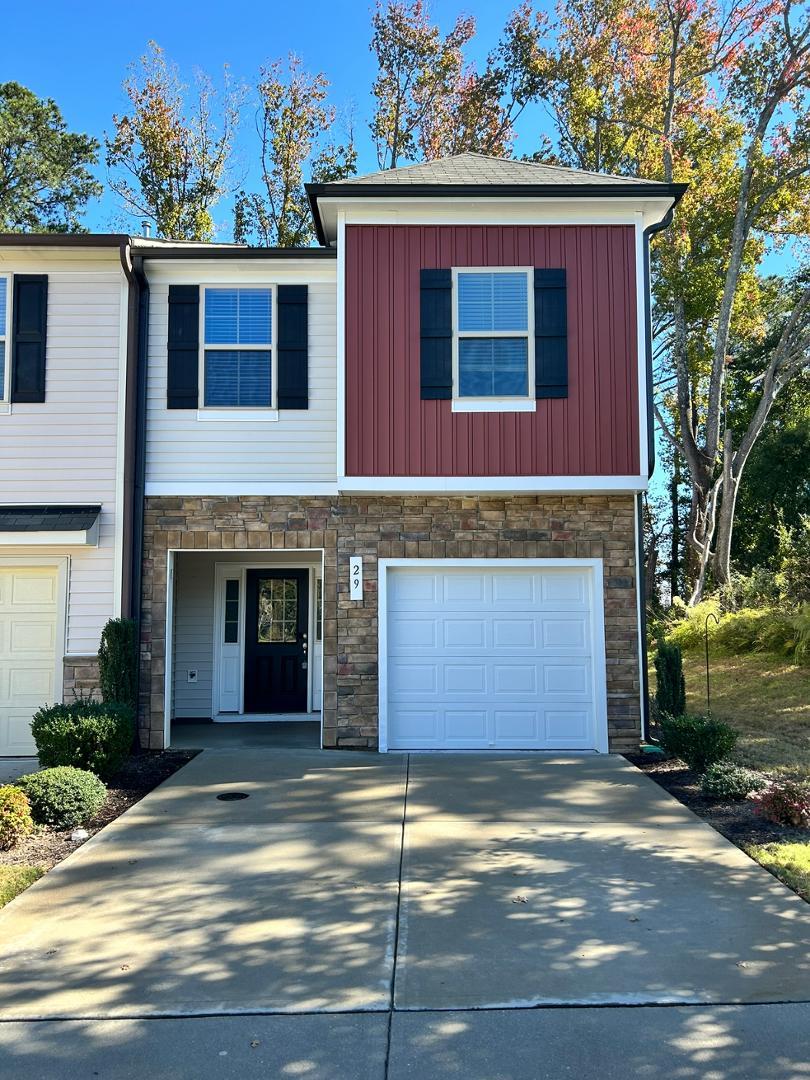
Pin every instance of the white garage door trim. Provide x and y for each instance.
(61, 563)
(596, 596)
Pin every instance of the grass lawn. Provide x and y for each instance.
(766, 698)
(13, 879)
(789, 862)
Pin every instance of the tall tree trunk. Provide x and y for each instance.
(675, 548)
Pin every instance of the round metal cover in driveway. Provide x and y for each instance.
(232, 796)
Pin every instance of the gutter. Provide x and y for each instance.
(649, 232)
(630, 190)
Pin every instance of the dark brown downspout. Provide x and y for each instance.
(650, 231)
(134, 439)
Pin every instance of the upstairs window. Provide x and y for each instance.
(492, 331)
(238, 355)
(4, 338)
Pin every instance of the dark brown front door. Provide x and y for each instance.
(276, 610)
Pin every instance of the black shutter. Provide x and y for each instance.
(29, 313)
(293, 347)
(182, 391)
(550, 334)
(436, 334)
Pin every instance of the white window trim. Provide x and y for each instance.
(5, 333)
(517, 403)
(240, 412)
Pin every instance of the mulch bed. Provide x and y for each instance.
(735, 819)
(140, 775)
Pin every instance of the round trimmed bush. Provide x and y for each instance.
(15, 816)
(699, 741)
(726, 781)
(91, 735)
(63, 797)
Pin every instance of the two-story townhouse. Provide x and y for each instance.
(396, 480)
(66, 431)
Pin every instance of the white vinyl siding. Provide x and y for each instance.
(193, 635)
(64, 450)
(186, 450)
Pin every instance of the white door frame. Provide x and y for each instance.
(596, 594)
(60, 563)
(252, 562)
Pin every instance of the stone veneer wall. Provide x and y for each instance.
(391, 526)
(80, 678)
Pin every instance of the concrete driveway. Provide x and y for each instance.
(432, 916)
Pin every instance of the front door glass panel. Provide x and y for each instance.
(277, 616)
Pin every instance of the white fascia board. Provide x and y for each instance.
(73, 538)
(487, 485)
(400, 209)
(240, 272)
(235, 488)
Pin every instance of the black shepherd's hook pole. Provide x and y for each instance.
(711, 615)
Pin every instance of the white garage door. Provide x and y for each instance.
(28, 624)
(492, 658)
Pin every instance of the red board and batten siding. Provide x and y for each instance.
(390, 431)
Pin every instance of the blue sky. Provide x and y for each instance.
(78, 54)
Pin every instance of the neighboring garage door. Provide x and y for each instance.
(493, 658)
(28, 634)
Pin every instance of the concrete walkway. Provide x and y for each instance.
(385, 916)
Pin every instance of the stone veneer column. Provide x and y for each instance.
(417, 526)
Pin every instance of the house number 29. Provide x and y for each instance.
(355, 577)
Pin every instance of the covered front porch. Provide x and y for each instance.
(244, 657)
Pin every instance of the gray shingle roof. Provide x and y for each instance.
(48, 518)
(480, 169)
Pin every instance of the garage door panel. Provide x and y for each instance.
(33, 636)
(514, 679)
(464, 726)
(566, 634)
(409, 633)
(510, 588)
(570, 588)
(465, 679)
(515, 633)
(407, 590)
(464, 589)
(414, 679)
(31, 685)
(518, 726)
(464, 634)
(571, 679)
(565, 726)
(490, 658)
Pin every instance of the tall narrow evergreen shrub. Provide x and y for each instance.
(670, 695)
(117, 660)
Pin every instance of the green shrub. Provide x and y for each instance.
(801, 632)
(89, 735)
(117, 662)
(793, 558)
(758, 589)
(15, 816)
(63, 797)
(670, 694)
(740, 631)
(726, 781)
(687, 624)
(786, 803)
(699, 741)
